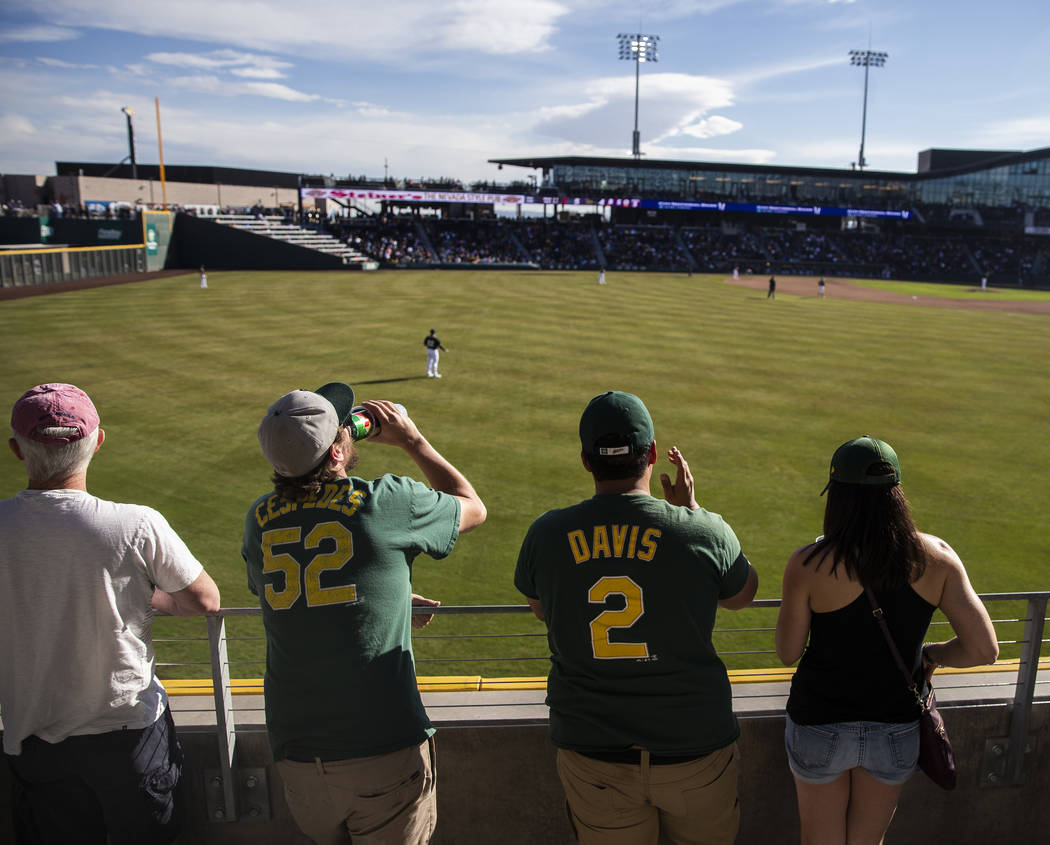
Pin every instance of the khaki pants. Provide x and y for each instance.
(692, 803)
(386, 800)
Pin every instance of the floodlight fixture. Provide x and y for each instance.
(866, 59)
(637, 48)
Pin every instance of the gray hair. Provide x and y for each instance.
(55, 461)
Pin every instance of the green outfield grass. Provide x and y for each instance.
(756, 393)
(948, 291)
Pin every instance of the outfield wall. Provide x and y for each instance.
(197, 242)
(19, 268)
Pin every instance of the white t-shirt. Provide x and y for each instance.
(76, 578)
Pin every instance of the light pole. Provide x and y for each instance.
(637, 48)
(128, 112)
(865, 59)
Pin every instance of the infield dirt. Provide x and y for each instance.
(848, 289)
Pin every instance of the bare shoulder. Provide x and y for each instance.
(942, 566)
(800, 572)
(796, 563)
(939, 554)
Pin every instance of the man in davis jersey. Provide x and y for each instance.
(330, 557)
(640, 704)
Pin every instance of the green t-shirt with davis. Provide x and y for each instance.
(629, 585)
(333, 576)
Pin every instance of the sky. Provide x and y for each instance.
(415, 89)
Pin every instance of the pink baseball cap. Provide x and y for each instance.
(56, 404)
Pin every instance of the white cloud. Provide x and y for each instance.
(15, 124)
(59, 63)
(711, 127)
(274, 90)
(739, 156)
(1019, 131)
(334, 29)
(498, 27)
(666, 10)
(669, 102)
(39, 33)
(211, 84)
(218, 59)
(788, 68)
(257, 73)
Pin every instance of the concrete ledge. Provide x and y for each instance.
(498, 782)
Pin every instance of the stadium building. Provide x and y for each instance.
(964, 216)
(1009, 187)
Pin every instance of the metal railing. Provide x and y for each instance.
(1021, 635)
(46, 265)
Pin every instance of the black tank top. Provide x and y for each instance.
(848, 674)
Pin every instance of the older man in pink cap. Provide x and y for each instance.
(87, 731)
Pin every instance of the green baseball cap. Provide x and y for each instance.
(620, 417)
(853, 461)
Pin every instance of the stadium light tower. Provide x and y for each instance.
(865, 59)
(128, 112)
(637, 48)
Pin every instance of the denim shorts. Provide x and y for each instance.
(820, 753)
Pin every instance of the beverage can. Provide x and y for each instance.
(363, 425)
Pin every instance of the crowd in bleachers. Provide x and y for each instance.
(558, 245)
(391, 241)
(642, 247)
(715, 250)
(913, 250)
(786, 249)
(470, 242)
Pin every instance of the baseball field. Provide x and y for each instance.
(757, 393)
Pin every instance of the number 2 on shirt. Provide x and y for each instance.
(608, 620)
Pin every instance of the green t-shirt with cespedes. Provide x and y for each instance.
(629, 586)
(333, 577)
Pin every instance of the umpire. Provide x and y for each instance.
(640, 704)
(330, 557)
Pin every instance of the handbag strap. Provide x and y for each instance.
(880, 617)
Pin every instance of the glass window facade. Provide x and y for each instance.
(780, 186)
(1015, 181)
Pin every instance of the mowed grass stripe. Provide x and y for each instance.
(757, 393)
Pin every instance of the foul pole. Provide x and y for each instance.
(160, 156)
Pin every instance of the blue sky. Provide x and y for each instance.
(430, 89)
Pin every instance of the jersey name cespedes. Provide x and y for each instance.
(328, 497)
(619, 541)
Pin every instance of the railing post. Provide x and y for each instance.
(1024, 692)
(225, 727)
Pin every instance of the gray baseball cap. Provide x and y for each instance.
(300, 426)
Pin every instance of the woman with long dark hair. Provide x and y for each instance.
(852, 723)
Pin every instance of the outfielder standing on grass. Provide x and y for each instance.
(87, 729)
(434, 350)
(640, 704)
(330, 557)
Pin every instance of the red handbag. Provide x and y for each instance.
(936, 757)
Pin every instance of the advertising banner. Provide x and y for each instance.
(409, 196)
(613, 202)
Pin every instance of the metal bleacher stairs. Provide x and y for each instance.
(281, 229)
